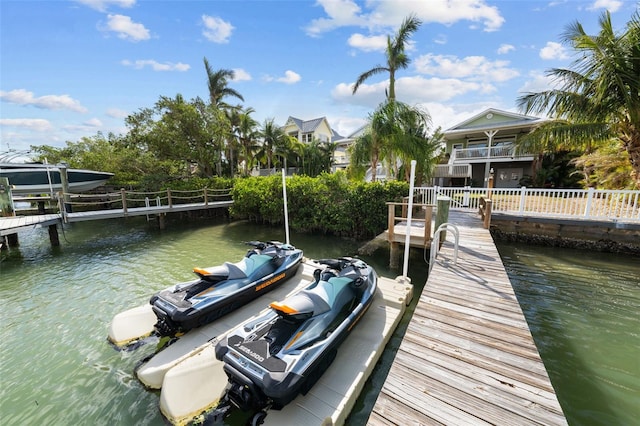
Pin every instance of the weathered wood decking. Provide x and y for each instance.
(467, 356)
(11, 225)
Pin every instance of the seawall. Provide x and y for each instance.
(609, 236)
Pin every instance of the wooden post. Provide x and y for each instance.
(490, 183)
(123, 196)
(12, 240)
(64, 180)
(394, 256)
(161, 221)
(442, 216)
(169, 200)
(206, 197)
(391, 220)
(428, 213)
(487, 214)
(63, 212)
(53, 235)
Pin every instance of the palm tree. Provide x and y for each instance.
(218, 85)
(598, 99)
(272, 137)
(247, 135)
(396, 56)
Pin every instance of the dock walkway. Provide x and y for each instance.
(13, 224)
(468, 356)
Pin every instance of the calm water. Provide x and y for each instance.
(56, 365)
(57, 368)
(583, 310)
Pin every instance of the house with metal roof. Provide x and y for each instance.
(483, 144)
(341, 159)
(308, 130)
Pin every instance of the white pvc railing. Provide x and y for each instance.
(479, 153)
(592, 204)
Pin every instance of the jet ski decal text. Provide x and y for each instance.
(269, 282)
(251, 353)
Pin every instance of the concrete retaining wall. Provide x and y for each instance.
(610, 236)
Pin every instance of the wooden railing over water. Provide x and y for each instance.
(124, 199)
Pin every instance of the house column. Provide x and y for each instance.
(487, 167)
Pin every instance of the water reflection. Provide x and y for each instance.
(582, 308)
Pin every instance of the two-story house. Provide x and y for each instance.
(483, 144)
(307, 130)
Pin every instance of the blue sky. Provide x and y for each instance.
(70, 69)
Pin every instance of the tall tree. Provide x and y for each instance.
(219, 85)
(247, 133)
(597, 99)
(396, 57)
(272, 137)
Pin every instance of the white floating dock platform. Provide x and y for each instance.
(192, 379)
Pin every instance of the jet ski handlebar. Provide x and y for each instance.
(337, 264)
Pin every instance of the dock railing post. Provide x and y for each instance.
(64, 181)
(63, 212)
(587, 209)
(442, 215)
(206, 197)
(523, 198)
(487, 214)
(169, 200)
(123, 196)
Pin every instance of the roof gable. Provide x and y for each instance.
(492, 118)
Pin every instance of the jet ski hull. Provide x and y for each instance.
(271, 359)
(223, 289)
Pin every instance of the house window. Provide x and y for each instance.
(307, 137)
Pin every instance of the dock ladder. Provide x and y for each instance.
(435, 242)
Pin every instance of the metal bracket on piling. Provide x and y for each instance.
(435, 243)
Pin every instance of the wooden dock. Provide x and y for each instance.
(468, 356)
(10, 226)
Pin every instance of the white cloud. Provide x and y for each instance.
(241, 75)
(610, 5)
(35, 124)
(538, 82)
(505, 48)
(411, 90)
(93, 122)
(553, 50)
(368, 44)
(341, 13)
(102, 5)
(390, 13)
(126, 29)
(471, 67)
(117, 113)
(52, 102)
(155, 65)
(290, 77)
(216, 30)
(440, 39)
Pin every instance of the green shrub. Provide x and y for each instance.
(328, 204)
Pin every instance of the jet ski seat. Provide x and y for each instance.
(314, 301)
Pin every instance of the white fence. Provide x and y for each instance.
(592, 204)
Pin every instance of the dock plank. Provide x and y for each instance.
(468, 356)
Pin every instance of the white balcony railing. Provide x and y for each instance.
(452, 171)
(484, 153)
(593, 204)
